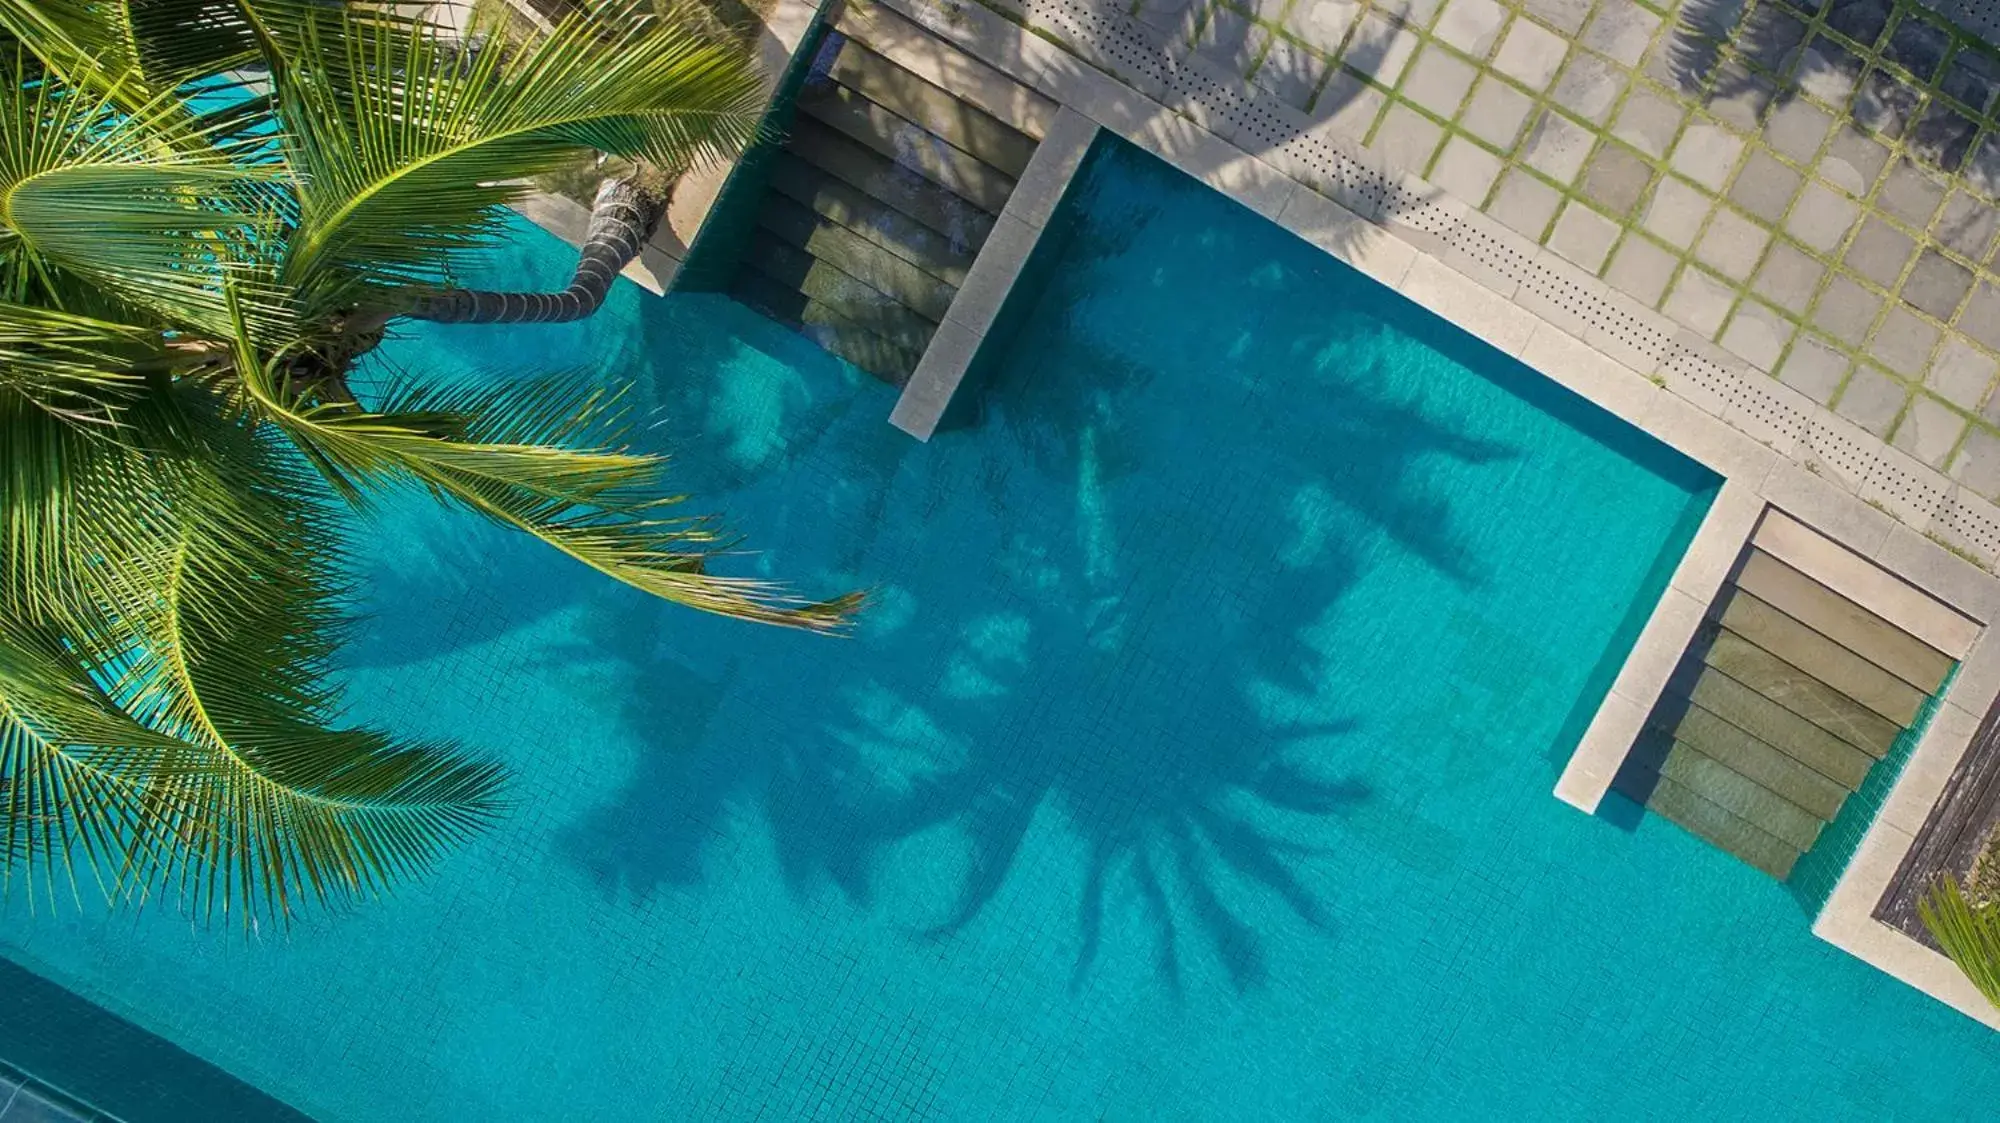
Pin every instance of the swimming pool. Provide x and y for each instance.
(1194, 762)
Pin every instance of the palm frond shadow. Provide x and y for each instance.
(1711, 42)
(455, 571)
(1102, 636)
(1202, 799)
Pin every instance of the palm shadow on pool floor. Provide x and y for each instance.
(1096, 629)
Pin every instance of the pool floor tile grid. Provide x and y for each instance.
(1810, 190)
(1836, 463)
(671, 923)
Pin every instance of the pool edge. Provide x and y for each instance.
(1772, 447)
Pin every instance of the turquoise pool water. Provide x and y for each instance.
(1194, 762)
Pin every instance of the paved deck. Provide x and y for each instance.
(1810, 189)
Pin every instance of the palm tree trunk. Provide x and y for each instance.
(622, 220)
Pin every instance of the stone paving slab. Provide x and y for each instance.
(1837, 162)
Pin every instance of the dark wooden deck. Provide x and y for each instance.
(1950, 838)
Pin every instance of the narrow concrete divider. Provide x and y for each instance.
(992, 275)
(1731, 520)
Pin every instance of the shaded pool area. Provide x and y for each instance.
(1193, 763)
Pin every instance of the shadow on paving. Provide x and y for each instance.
(1744, 67)
(1101, 605)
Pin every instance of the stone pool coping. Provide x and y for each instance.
(976, 306)
(1772, 446)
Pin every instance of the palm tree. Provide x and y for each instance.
(1967, 931)
(209, 211)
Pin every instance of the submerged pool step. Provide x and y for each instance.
(1711, 735)
(875, 175)
(1724, 786)
(1724, 828)
(1780, 728)
(870, 218)
(1820, 656)
(824, 326)
(858, 257)
(1843, 622)
(854, 299)
(1800, 693)
(908, 144)
(884, 190)
(1787, 700)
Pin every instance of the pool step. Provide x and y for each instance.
(857, 302)
(889, 181)
(821, 324)
(1720, 827)
(850, 208)
(1790, 697)
(965, 127)
(862, 258)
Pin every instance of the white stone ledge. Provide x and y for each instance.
(1440, 289)
(990, 280)
(1347, 236)
(1602, 751)
(1690, 591)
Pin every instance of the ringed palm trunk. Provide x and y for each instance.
(622, 219)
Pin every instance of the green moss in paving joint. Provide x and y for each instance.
(1681, 265)
(1478, 69)
(1955, 550)
(1785, 353)
(1840, 391)
(1728, 317)
(1016, 18)
(1902, 414)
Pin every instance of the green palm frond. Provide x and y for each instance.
(405, 149)
(77, 768)
(138, 48)
(129, 200)
(1969, 933)
(133, 48)
(186, 719)
(205, 207)
(506, 452)
(75, 366)
(73, 500)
